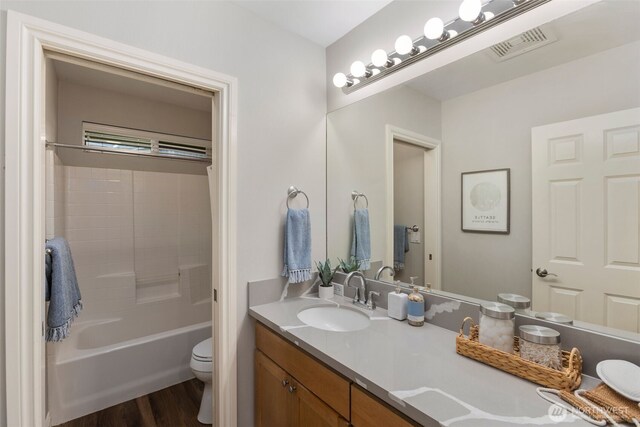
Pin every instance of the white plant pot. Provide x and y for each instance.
(325, 292)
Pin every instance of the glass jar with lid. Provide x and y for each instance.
(516, 301)
(541, 345)
(497, 326)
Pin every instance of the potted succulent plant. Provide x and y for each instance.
(348, 266)
(325, 272)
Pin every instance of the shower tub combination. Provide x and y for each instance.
(109, 361)
(142, 244)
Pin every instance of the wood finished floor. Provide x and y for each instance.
(176, 406)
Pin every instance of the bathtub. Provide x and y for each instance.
(110, 361)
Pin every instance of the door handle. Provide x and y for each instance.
(285, 382)
(292, 388)
(542, 272)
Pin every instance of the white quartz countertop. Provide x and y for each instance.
(416, 369)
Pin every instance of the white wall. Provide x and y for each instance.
(79, 103)
(281, 119)
(356, 160)
(490, 129)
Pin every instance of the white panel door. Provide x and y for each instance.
(586, 218)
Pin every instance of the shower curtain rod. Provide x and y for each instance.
(124, 153)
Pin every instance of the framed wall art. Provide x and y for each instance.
(486, 201)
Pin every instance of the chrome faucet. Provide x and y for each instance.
(361, 291)
(382, 269)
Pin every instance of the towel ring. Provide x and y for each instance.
(355, 195)
(292, 192)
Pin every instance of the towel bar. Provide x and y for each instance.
(293, 192)
(355, 195)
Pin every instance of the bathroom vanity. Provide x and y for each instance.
(387, 373)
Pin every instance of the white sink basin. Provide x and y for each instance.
(337, 319)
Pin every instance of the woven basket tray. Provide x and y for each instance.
(566, 379)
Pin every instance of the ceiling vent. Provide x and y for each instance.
(523, 43)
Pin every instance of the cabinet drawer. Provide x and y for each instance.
(329, 386)
(369, 411)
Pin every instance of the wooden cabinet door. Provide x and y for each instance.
(329, 386)
(368, 411)
(273, 402)
(309, 411)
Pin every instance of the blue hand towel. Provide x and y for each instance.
(400, 246)
(297, 246)
(361, 239)
(63, 293)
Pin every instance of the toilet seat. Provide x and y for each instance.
(201, 356)
(203, 350)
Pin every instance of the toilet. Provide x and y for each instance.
(202, 367)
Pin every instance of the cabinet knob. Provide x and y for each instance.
(292, 388)
(285, 382)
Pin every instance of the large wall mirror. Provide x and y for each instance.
(515, 169)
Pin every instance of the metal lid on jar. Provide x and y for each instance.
(539, 334)
(555, 317)
(497, 310)
(514, 300)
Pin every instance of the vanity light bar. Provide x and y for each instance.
(475, 18)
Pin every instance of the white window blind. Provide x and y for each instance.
(141, 141)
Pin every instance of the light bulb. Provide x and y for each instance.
(488, 15)
(434, 28)
(470, 10)
(358, 69)
(379, 58)
(339, 80)
(404, 45)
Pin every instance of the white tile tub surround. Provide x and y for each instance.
(156, 233)
(136, 231)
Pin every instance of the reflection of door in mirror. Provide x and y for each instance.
(586, 218)
(415, 208)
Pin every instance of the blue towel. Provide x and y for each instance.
(361, 239)
(297, 246)
(63, 293)
(400, 246)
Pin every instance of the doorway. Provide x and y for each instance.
(127, 188)
(413, 207)
(28, 39)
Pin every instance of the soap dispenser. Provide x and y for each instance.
(415, 306)
(397, 303)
